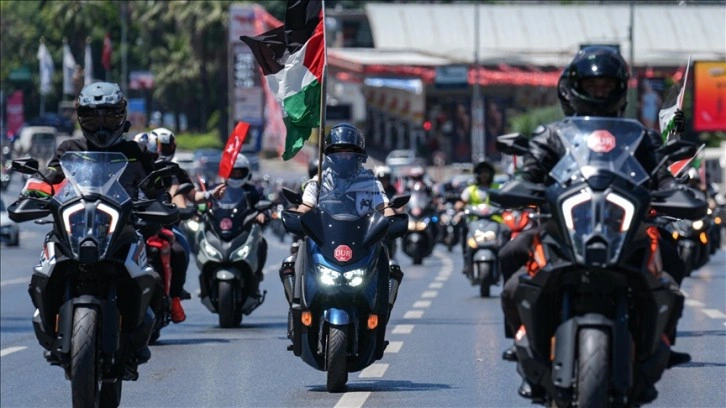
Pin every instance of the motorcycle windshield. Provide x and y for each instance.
(91, 175)
(418, 203)
(234, 198)
(596, 144)
(343, 222)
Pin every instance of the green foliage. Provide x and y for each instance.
(196, 141)
(528, 121)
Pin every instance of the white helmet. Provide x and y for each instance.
(166, 143)
(146, 139)
(240, 172)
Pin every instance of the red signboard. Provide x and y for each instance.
(343, 253)
(709, 96)
(14, 111)
(601, 141)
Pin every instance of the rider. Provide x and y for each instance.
(595, 83)
(345, 154)
(383, 174)
(101, 110)
(238, 181)
(474, 194)
(163, 142)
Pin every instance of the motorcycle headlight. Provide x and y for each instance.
(355, 277)
(484, 236)
(242, 252)
(416, 225)
(697, 225)
(211, 251)
(328, 276)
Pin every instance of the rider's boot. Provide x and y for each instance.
(177, 311)
(287, 277)
(394, 281)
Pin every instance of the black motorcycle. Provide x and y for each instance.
(341, 302)
(419, 241)
(229, 256)
(94, 285)
(449, 226)
(485, 235)
(593, 303)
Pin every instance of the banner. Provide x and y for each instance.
(46, 69)
(87, 64)
(14, 112)
(232, 149)
(69, 67)
(709, 96)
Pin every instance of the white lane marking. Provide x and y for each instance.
(11, 350)
(422, 303)
(694, 303)
(685, 294)
(429, 294)
(714, 313)
(352, 399)
(14, 281)
(402, 329)
(413, 314)
(436, 285)
(374, 371)
(442, 278)
(394, 347)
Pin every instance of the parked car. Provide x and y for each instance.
(62, 123)
(397, 158)
(9, 231)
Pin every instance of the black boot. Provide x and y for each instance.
(531, 391)
(287, 277)
(394, 281)
(677, 358)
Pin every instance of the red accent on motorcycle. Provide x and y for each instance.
(601, 141)
(225, 224)
(343, 253)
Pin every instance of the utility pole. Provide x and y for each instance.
(478, 144)
(632, 93)
(124, 47)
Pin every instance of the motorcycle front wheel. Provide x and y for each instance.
(593, 371)
(228, 316)
(485, 274)
(336, 360)
(85, 373)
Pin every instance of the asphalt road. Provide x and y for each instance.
(445, 348)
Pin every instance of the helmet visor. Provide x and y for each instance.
(166, 149)
(239, 173)
(101, 118)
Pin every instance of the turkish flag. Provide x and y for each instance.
(231, 150)
(106, 54)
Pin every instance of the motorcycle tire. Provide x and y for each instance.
(485, 274)
(593, 371)
(687, 257)
(85, 372)
(226, 306)
(336, 359)
(417, 259)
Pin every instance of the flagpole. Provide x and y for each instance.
(323, 97)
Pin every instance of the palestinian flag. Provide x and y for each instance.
(292, 58)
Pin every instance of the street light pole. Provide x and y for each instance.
(478, 144)
(124, 47)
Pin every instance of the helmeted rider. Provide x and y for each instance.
(238, 181)
(101, 108)
(474, 194)
(162, 142)
(344, 157)
(384, 175)
(595, 83)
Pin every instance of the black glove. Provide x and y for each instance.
(679, 122)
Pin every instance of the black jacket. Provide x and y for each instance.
(546, 149)
(140, 163)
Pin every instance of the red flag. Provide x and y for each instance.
(234, 144)
(106, 55)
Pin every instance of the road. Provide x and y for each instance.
(445, 349)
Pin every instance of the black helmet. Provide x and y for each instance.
(312, 168)
(484, 165)
(101, 109)
(562, 93)
(595, 62)
(345, 135)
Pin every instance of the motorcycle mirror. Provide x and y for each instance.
(27, 165)
(291, 196)
(184, 189)
(170, 170)
(512, 144)
(400, 201)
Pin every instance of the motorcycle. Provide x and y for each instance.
(420, 239)
(692, 238)
(340, 304)
(484, 238)
(449, 226)
(276, 222)
(596, 328)
(229, 256)
(94, 285)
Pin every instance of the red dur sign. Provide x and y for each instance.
(601, 141)
(343, 253)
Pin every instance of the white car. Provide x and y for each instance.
(9, 231)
